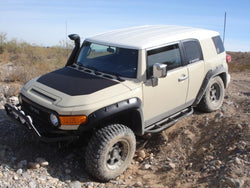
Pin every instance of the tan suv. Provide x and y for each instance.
(124, 83)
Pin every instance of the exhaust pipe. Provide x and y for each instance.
(73, 55)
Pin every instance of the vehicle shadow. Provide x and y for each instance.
(66, 160)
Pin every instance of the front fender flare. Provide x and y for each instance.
(132, 104)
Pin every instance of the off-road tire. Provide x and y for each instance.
(110, 151)
(213, 96)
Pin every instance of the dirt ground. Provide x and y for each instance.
(202, 150)
(204, 146)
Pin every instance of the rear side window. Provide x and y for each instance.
(193, 51)
(218, 44)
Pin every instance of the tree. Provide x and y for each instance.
(3, 37)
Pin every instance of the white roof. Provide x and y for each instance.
(143, 37)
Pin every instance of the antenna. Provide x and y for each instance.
(66, 37)
(224, 32)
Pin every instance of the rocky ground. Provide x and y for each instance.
(202, 150)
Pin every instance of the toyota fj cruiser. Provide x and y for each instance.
(124, 83)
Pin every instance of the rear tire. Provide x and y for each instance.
(110, 151)
(213, 96)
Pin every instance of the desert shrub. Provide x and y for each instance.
(240, 61)
(29, 60)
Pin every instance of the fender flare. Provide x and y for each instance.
(210, 74)
(132, 104)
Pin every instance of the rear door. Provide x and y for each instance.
(195, 67)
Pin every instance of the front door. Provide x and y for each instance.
(169, 96)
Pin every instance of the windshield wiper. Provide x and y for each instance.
(118, 76)
(90, 67)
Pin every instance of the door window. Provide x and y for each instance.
(169, 55)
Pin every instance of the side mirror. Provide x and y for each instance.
(159, 71)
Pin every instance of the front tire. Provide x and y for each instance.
(213, 97)
(110, 151)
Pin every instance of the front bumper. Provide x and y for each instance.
(16, 113)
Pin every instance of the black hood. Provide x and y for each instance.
(74, 82)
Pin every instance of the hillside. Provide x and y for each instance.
(202, 150)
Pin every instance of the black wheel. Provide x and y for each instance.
(213, 97)
(110, 151)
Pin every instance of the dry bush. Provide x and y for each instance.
(29, 61)
(240, 61)
(9, 91)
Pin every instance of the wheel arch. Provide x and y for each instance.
(220, 71)
(127, 112)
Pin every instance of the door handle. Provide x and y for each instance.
(184, 77)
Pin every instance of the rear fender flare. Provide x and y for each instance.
(220, 70)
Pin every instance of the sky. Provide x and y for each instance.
(47, 22)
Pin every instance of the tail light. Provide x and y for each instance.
(228, 58)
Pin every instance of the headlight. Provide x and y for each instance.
(54, 120)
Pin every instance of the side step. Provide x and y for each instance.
(169, 121)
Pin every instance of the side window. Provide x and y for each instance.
(169, 55)
(218, 44)
(193, 51)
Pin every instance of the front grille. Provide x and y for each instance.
(40, 115)
(36, 113)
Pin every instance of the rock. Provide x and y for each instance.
(168, 159)
(14, 100)
(25, 175)
(217, 162)
(219, 115)
(114, 182)
(239, 126)
(32, 165)
(15, 177)
(141, 154)
(235, 183)
(147, 166)
(138, 184)
(211, 146)
(201, 151)
(67, 171)
(237, 160)
(42, 161)
(89, 184)
(102, 185)
(19, 171)
(32, 184)
(121, 182)
(140, 159)
(206, 121)
(241, 145)
(170, 166)
(43, 178)
(22, 164)
(75, 184)
(223, 109)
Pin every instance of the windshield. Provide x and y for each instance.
(109, 59)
